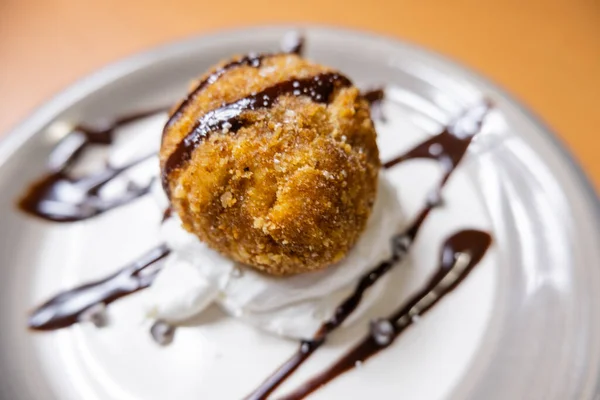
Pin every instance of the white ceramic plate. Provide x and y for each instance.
(525, 325)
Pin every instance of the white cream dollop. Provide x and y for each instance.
(195, 276)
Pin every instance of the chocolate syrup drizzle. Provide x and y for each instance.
(465, 247)
(229, 118)
(375, 98)
(448, 148)
(68, 307)
(167, 213)
(49, 198)
(251, 60)
(59, 197)
(292, 44)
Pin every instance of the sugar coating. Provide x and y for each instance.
(291, 191)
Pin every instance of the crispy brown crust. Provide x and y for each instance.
(292, 191)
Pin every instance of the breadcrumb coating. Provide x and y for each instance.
(292, 189)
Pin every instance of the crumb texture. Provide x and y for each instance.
(291, 190)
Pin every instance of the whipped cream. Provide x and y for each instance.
(195, 276)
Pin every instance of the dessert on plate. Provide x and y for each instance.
(275, 166)
(278, 210)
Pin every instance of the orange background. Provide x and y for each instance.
(546, 52)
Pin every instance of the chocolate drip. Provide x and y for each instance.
(59, 197)
(70, 306)
(451, 148)
(448, 147)
(229, 116)
(466, 247)
(250, 60)
(343, 311)
(293, 43)
(104, 134)
(166, 214)
(375, 98)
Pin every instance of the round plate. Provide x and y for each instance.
(526, 325)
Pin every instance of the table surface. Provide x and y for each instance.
(546, 52)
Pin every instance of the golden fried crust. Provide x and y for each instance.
(292, 191)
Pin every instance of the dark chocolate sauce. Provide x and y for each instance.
(293, 43)
(228, 118)
(104, 133)
(250, 60)
(68, 307)
(166, 214)
(343, 311)
(451, 147)
(465, 247)
(375, 98)
(59, 197)
(448, 147)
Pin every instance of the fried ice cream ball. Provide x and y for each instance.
(285, 188)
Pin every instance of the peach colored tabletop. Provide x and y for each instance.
(546, 52)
